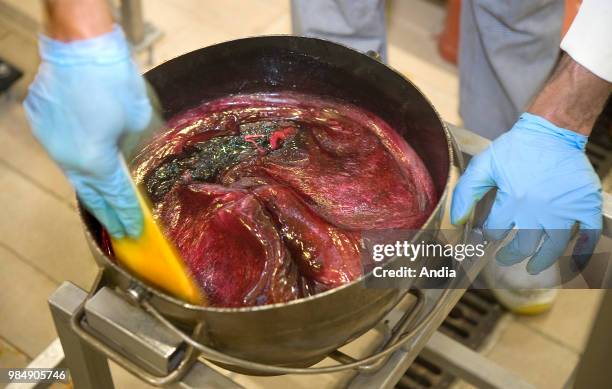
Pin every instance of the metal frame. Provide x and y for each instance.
(88, 368)
(472, 367)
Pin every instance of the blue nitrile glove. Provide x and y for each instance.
(86, 94)
(545, 184)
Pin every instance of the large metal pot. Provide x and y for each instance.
(301, 332)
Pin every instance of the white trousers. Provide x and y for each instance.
(507, 49)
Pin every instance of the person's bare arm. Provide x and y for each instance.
(572, 98)
(68, 20)
(545, 183)
(86, 95)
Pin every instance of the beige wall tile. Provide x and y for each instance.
(415, 66)
(20, 150)
(190, 37)
(282, 25)
(25, 317)
(31, 8)
(414, 26)
(11, 357)
(123, 379)
(322, 381)
(4, 30)
(535, 358)
(570, 319)
(426, 16)
(190, 25)
(43, 230)
(459, 384)
(168, 16)
(236, 17)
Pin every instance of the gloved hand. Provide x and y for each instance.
(85, 95)
(545, 184)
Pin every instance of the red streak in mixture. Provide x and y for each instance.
(279, 136)
(251, 140)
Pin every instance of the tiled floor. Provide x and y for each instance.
(41, 243)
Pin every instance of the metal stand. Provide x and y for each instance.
(133, 333)
(88, 368)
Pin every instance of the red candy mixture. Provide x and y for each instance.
(266, 195)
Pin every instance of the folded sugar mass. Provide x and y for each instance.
(266, 195)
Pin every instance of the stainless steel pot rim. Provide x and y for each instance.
(160, 294)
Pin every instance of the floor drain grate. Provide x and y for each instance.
(470, 322)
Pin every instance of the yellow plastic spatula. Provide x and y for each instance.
(155, 260)
(152, 257)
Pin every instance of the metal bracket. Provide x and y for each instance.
(133, 332)
(471, 366)
(89, 367)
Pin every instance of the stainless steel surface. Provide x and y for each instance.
(401, 326)
(88, 368)
(403, 338)
(396, 324)
(469, 142)
(399, 336)
(136, 333)
(202, 376)
(469, 365)
(109, 350)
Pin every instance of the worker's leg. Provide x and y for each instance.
(359, 24)
(507, 51)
